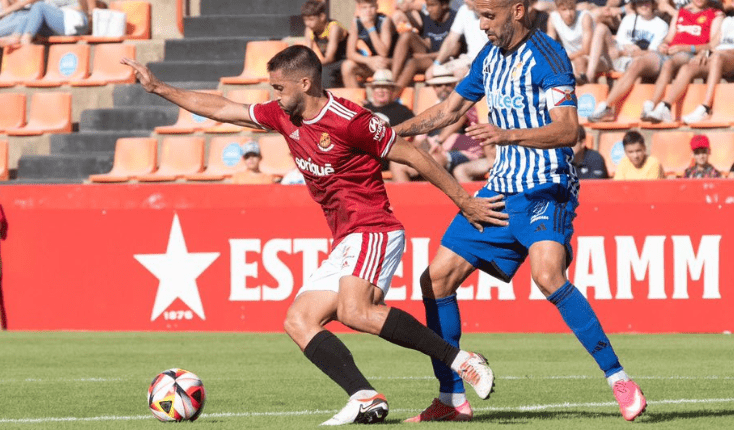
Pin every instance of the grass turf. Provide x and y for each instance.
(73, 380)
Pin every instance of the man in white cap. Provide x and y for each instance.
(252, 174)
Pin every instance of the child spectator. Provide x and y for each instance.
(637, 164)
(328, 38)
(638, 34)
(52, 17)
(701, 168)
(377, 34)
(574, 29)
(589, 163)
(252, 173)
(415, 51)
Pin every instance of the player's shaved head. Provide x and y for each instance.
(297, 61)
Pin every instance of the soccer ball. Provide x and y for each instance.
(176, 395)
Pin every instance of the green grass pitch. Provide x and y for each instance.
(79, 380)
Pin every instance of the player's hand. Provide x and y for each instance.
(487, 134)
(145, 76)
(480, 211)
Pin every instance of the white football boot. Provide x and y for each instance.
(361, 411)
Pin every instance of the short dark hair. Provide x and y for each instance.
(632, 137)
(313, 8)
(581, 134)
(297, 59)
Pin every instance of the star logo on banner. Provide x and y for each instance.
(177, 271)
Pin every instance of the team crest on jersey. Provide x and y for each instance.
(516, 71)
(325, 142)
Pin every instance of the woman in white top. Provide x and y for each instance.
(574, 29)
(51, 17)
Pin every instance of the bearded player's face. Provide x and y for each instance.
(288, 93)
(495, 19)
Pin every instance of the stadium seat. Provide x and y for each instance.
(23, 64)
(611, 149)
(257, 55)
(189, 122)
(180, 156)
(276, 157)
(356, 95)
(225, 158)
(407, 97)
(425, 97)
(673, 150)
(49, 113)
(675, 112)
(629, 109)
(722, 150)
(106, 67)
(687, 103)
(245, 96)
(138, 21)
(4, 174)
(65, 63)
(589, 96)
(386, 6)
(12, 111)
(134, 156)
(722, 109)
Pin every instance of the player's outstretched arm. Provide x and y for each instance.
(559, 133)
(476, 210)
(438, 116)
(209, 105)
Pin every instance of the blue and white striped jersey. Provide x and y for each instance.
(522, 86)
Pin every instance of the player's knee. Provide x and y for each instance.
(548, 282)
(434, 285)
(295, 322)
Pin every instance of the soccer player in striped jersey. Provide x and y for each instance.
(529, 85)
(338, 145)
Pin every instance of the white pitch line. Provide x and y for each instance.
(523, 408)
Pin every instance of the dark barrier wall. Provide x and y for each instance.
(651, 257)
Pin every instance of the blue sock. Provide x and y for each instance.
(581, 319)
(442, 316)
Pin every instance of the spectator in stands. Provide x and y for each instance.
(449, 146)
(466, 25)
(701, 167)
(252, 173)
(638, 34)
(377, 35)
(538, 18)
(589, 163)
(415, 51)
(407, 14)
(574, 29)
(697, 22)
(328, 38)
(52, 17)
(12, 12)
(637, 164)
(690, 35)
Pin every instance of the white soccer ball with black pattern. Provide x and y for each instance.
(176, 395)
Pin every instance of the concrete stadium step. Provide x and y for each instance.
(272, 26)
(244, 7)
(208, 48)
(128, 118)
(63, 166)
(177, 71)
(90, 142)
(135, 94)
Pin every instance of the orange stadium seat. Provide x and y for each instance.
(106, 67)
(673, 150)
(386, 6)
(225, 158)
(49, 113)
(589, 96)
(245, 96)
(356, 95)
(257, 55)
(22, 64)
(675, 112)
(276, 157)
(12, 111)
(134, 156)
(4, 173)
(722, 150)
(188, 122)
(65, 63)
(138, 21)
(407, 97)
(629, 109)
(611, 149)
(687, 103)
(425, 97)
(180, 156)
(722, 109)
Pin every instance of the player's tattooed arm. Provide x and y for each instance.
(439, 116)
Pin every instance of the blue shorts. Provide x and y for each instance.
(499, 251)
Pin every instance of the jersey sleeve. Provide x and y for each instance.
(472, 86)
(556, 78)
(266, 115)
(368, 133)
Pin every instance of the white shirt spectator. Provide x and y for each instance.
(571, 38)
(653, 30)
(466, 23)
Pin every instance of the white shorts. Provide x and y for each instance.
(373, 257)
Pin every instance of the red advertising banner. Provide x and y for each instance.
(650, 256)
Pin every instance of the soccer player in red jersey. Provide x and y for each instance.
(337, 145)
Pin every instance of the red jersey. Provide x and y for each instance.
(693, 28)
(339, 154)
